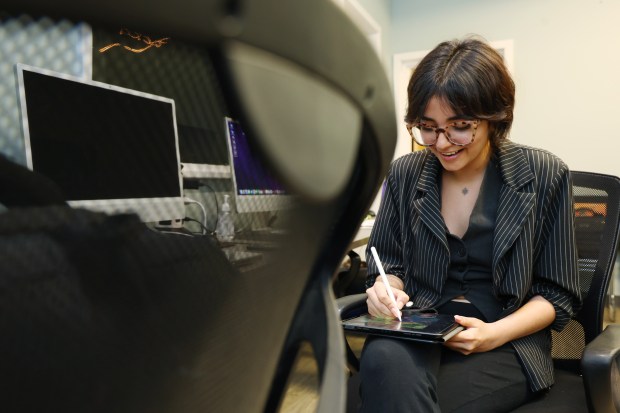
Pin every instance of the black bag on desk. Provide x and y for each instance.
(95, 311)
(352, 279)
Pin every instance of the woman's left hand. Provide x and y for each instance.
(477, 337)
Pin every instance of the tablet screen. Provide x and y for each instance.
(429, 325)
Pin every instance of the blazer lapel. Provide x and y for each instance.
(428, 205)
(515, 201)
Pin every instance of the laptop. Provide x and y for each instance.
(419, 325)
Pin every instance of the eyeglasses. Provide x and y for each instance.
(459, 133)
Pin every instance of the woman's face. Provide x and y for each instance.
(454, 158)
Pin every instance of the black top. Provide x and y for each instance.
(471, 258)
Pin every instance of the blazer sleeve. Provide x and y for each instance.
(386, 233)
(556, 274)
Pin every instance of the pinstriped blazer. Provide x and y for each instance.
(534, 249)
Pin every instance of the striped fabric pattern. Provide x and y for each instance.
(534, 248)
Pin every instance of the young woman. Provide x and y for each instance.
(475, 226)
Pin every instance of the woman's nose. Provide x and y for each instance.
(442, 140)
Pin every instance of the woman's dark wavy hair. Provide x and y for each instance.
(469, 76)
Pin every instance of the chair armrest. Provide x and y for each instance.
(600, 363)
(351, 305)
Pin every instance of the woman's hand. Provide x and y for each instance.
(379, 302)
(536, 314)
(477, 337)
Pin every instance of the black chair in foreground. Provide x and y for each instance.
(586, 357)
(198, 335)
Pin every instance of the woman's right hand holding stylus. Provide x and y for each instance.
(379, 302)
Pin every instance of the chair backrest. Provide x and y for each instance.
(320, 119)
(597, 213)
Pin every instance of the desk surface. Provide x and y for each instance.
(362, 235)
(239, 256)
(359, 242)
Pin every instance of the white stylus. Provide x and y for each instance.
(384, 277)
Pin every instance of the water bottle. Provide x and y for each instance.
(225, 227)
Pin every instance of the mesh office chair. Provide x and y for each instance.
(586, 358)
(164, 323)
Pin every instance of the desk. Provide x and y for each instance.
(239, 256)
(357, 243)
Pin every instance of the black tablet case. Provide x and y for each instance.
(427, 326)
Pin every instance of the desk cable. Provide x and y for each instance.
(204, 212)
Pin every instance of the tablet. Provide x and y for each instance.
(419, 325)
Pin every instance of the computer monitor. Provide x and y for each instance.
(256, 190)
(108, 148)
(202, 158)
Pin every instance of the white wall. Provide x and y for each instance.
(566, 60)
(380, 10)
(374, 19)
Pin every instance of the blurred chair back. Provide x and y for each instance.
(316, 105)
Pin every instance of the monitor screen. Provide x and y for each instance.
(107, 148)
(256, 189)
